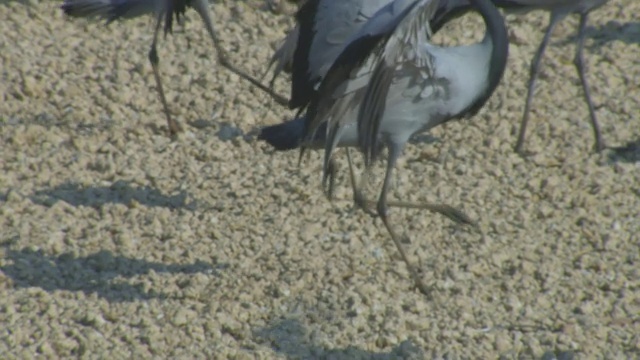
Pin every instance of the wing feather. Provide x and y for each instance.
(109, 10)
(400, 50)
(374, 53)
(325, 26)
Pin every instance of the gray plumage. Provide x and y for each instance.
(321, 32)
(414, 85)
(317, 50)
(390, 83)
(111, 10)
(558, 10)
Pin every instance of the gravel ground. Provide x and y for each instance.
(117, 242)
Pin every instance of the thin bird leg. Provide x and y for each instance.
(367, 205)
(362, 202)
(276, 72)
(201, 6)
(332, 169)
(358, 197)
(554, 18)
(394, 152)
(173, 125)
(448, 211)
(578, 61)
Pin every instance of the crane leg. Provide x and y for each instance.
(578, 61)
(382, 207)
(361, 201)
(358, 197)
(201, 6)
(533, 75)
(173, 126)
(332, 170)
(382, 210)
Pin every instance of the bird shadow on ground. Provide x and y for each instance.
(120, 192)
(291, 338)
(424, 138)
(629, 152)
(100, 273)
(23, 2)
(629, 33)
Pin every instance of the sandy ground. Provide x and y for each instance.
(117, 242)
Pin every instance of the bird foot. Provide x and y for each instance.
(599, 146)
(415, 275)
(522, 152)
(448, 211)
(362, 203)
(422, 287)
(173, 128)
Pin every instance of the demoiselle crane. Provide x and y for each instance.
(449, 9)
(326, 25)
(558, 10)
(165, 11)
(392, 83)
(326, 28)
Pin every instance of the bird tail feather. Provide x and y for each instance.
(285, 136)
(110, 10)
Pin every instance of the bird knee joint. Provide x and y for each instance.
(382, 209)
(153, 56)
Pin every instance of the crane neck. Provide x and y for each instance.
(496, 35)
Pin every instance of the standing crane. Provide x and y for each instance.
(326, 26)
(397, 84)
(164, 11)
(558, 10)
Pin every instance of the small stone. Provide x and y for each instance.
(503, 343)
(228, 132)
(183, 316)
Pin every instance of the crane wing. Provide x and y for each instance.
(324, 28)
(283, 57)
(109, 10)
(401, 49)
(112, 10)
(344, 85)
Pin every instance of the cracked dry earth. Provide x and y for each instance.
(117, 242)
